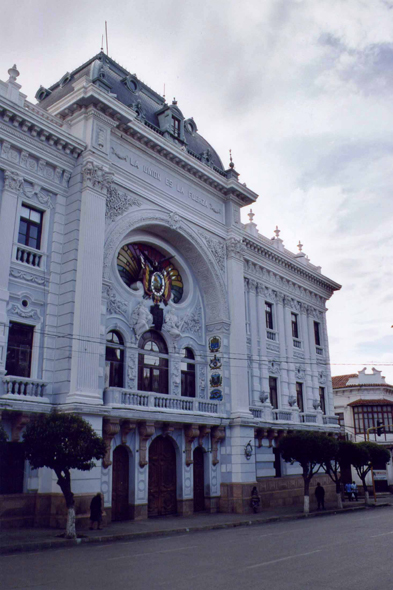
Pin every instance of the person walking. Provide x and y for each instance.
(354, 490)
(348, 491)
(96, 512)
(320, 496)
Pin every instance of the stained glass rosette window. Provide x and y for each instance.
(159, 276)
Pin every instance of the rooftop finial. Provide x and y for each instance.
(300, 246)
(174, 101)
(277, 232)
(231, 164)
(251, 216)
(13, 73)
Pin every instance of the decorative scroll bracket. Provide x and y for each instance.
(111, 428)
(217, 435)
(146, 430)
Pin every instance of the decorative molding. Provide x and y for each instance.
(203, 431)
(191, 432)
(146, 431)
(235, 248)
(321, 377)
(18, 422)
(217, 435)
(111, 427)
(192, 322)
(118, 203)
(174, 220)
(175, 376)
(274, 367)
(37, 192)
(217, 248)
(125, 427)
(132, 358)
(202, 381)
(24, 313)
(24, 276)
(300, 372)
(12, 181)
(115, 305)
(141, 319)
(172, 324)
(96, 177)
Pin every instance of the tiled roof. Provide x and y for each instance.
(372, 402)
(341, 380)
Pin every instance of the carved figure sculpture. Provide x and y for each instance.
(172, 324)
(141, 319)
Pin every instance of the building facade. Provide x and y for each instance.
(362, 402)
(132, 294)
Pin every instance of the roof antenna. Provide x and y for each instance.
(106, 37)
(164, 92)
(102, 43)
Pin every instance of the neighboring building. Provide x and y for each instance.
(132, 294)
(363, 401)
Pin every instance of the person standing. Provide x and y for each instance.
(354, 490)
(96, 512)
(320, 496)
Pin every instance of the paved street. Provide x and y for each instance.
(350, 551)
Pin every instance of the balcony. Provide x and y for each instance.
(116, 396)
(308, 418)
(29, 256)
(24, 388)
(282, 415)
(331, 420)
(319, 350)
(270, 335)
(297, 343)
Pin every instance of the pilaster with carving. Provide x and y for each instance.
(191, 431)
(146, 431)
(110, 429)
(217, 435)
(126, 426)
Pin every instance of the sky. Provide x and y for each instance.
(300, 90)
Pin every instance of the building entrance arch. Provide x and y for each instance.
(162, 478)
(120, 484)
(199, 480)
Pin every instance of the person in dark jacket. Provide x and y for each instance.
(320, 496)
(96, 512)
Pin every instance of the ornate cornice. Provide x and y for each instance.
(283, 262)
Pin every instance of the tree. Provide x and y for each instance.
(63, 442)
(335, 466)
(311, 450)
(365, 455)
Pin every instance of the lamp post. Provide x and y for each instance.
(380, 428)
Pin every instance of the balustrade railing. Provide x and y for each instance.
(257, 412)
(319, 350)
(297, 343)
(271, 335)
(29, 256)
(282, 415)
(24, 387)
(330, 420)
(308, 418)
(151, 401)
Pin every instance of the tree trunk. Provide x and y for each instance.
(65, 484)
(339, 500)
(338, 495)
(366, 498)
(306, 495)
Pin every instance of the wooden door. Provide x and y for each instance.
(162, 478)
(120, 509)
(199, 480)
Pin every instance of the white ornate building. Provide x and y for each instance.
(132, 294)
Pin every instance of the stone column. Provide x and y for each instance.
(256, 377)
(308, 390)
(286, 381)
(328, 384)
(8, 210)
(86, 348)
(260, 301)
(312, 314)
(238, 340)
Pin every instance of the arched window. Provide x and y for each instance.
(188, 373)
(114, 360)
(153, 363)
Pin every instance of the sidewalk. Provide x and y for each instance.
(20, 540)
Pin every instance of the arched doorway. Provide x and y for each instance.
(199, 480)
(162, 478)
(120, 508)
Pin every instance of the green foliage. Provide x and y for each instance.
(310, 449)
(62, 442)
(3, 434)
(366, 454)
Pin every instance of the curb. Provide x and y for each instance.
(69, 543)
